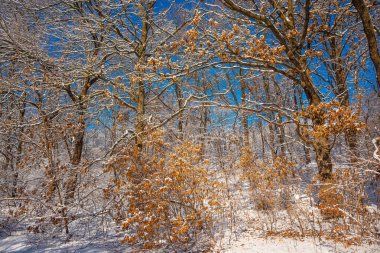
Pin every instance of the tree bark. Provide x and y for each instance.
(140, 125)
(321, 144)
(281, 135)
(203, 123)
(19, 152)
(245, 117)
(262, 140)
(323, 158)
(142, 54)
(71, 183)
(369, 31)
(180, 102)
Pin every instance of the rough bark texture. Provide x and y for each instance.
(142, 55)
(323, 157)
(71, 183)
(321, 144)
(369, 30)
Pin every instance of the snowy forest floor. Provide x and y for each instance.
(247, 242)
(248, 225)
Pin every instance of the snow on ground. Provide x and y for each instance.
(261, 245)
(248, 235)
(247, 243)
(247, 240)
(24, 244)
(251, 243)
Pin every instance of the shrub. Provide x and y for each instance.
(268, 181)
(170, 197)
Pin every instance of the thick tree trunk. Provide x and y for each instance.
(307, 155)
(321, 144)
(323, 158)
(140, 124)
(351, 140)
(71, 183)
(322, 150)
(369, 31)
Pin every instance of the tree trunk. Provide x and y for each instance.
(140, 125)
(71, 183)
(323, 158)
(180, 102)
(141, 53)
(246, 130)
(369, 31)
(203, 123)
(351, 140)
(307, 155)
(281, 136)
(271, 119)
(245, 117)
(203, 130)
(262, 140)
(321, 144)
(19, 152)
(298, 102)
(272, 138)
